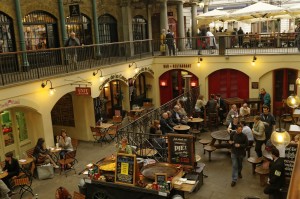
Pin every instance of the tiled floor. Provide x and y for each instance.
(216, 185)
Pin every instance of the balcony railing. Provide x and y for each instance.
(17, 67)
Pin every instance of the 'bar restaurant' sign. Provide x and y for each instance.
(83, 91)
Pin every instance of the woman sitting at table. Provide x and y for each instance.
(64, 142)
(41, 154)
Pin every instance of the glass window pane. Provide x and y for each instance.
(21, 125)
(7, 128)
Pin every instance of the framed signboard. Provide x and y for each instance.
(181, 149)
(160, 178)
(289, 160)
(125, 169)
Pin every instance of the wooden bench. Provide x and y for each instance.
(263, 175)
(254, 161)
(209, 149)
(204, 142)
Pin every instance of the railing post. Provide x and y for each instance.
(222, 46)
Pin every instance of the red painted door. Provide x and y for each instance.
(229, 83)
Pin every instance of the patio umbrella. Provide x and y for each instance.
(213, 15)
(257, 10)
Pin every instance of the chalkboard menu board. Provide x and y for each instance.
(181, 149)
(125, 169)
(289, 160)
(160, 178)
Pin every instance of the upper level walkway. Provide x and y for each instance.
(18, 67)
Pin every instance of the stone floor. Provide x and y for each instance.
(216, 185)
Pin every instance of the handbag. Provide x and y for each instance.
(162, 48)
(45, 171)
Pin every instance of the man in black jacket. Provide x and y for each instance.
(276, 174)
(12, 167)
(164, 126)
(221, 107)
(239, 142)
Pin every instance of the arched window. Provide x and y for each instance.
(7, 43)
(139, 28)
(40, 30)
(82, 27)
(108, 31)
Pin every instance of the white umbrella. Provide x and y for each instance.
(214, 14)
(257, 10)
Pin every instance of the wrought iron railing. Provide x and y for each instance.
(16, 67)
(137, 132)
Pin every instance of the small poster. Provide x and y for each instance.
(125, 169)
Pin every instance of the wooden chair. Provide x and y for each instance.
(112, 131)
(98, 135)
(204, 142)
(75, 146)
(117, 119)
(24, 181)
(68, 162)
(77, 195)
(209, 149)
(213, 120)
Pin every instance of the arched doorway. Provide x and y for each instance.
(108, 30)
(40, 30)
(140, 32)
(283, 85)
(7, 44)
(140, 89)
(20, 128)
(110, 100)
(82, 27)
(229, 83)
(171, 84)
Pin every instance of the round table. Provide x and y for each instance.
(195, 120)
(3, 174)
(25, 161)
(181, 128)
(221, 135)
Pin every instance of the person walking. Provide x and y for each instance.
(258, 131)
(212, 40)
(71, 52)
(170, 42)
(239, 142)
(269, 121)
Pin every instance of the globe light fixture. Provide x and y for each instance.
(280, 137)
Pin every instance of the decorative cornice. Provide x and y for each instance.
(113, 77)
(143, 70)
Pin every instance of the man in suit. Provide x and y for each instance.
(12, 167)
(221, 108)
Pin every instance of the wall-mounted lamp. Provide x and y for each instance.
(51, 89)
(163, 83)
(136, 70)
(199, 61)
(280, 137)
(101, 76)
(193, 84)
(253, 60)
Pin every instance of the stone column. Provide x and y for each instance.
(187, 90)
(205, 8)
(180, 21)
(96, 30)
(149, 7)
(164, 15)
(62, 21)
(194, 26)
(127, 27)
(24, 61)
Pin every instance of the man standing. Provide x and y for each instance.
(221, 107)
(276, 174)
(72, 54)
(265, 97)
(170, 42)
(269, 121)
(258, 131)
(238, 142)
(188, 42)
(240, 37)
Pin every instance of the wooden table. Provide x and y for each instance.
(296, 114)
(3, 174)
(104, 127)
(25, 161)
(181, 128)
(138, 111)
(220, 136)
(235, 100)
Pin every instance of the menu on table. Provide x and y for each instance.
(125, 169)
(289, 160)
(181, 149)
